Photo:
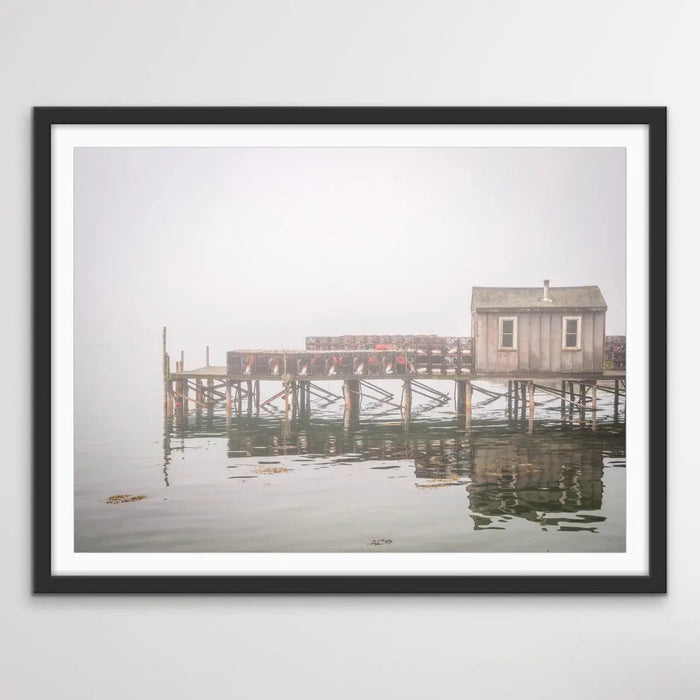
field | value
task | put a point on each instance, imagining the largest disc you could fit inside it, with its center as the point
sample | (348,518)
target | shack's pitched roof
(497,298)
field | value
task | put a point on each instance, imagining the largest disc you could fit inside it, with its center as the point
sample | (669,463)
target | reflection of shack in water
(528,480)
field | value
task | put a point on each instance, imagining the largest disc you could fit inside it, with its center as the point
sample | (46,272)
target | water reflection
(553,478)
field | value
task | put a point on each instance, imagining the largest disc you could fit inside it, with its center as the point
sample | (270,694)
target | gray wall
(539,343)
(378,52)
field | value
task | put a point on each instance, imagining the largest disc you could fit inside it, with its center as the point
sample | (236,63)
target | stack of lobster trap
(615,351)
(357,356)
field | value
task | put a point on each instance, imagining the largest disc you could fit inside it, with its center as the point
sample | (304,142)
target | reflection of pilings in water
(509,474)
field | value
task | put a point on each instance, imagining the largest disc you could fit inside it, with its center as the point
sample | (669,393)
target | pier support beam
(531,421)
(616,401)
(464,403)
(572,400)
(468,403)
(563,399)
(228,402)
(287,388)
(461,402)
(257,398)
(304,399)
(407,399)
(510,398)
(249,389)
(351,389)
(198,396)
(594,404)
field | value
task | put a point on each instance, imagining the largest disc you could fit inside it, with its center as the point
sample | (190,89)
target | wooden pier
(297,375)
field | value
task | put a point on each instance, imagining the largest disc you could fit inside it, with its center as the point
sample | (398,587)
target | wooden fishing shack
(533,331)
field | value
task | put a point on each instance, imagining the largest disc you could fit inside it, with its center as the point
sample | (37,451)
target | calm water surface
(323,487)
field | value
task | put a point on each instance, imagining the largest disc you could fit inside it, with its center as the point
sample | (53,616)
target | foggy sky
(260,247)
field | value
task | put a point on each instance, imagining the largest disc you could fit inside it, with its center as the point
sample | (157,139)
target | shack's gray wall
(539,341)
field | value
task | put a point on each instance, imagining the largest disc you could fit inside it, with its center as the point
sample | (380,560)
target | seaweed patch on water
(271,470)
(124,498)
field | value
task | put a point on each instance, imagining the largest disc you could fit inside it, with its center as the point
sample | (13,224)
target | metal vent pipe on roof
(545,293)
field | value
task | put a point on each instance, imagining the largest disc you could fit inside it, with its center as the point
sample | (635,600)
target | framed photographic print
(349,350)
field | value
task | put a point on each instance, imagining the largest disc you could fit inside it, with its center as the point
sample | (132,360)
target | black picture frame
(45,581)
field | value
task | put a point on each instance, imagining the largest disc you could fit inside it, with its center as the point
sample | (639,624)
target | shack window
(508,333)
(571,333)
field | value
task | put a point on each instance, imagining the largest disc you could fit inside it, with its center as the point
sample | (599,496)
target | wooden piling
(198,396)
(407,400)
(616,400)
(295,400)
(351,389)
(468,403)
(563,399)
(523,387)
(184,386)
(510,398)
(249,389)
(594,403)
(531,422)
(228,402)
(239,399)
(257,398)
(165,373)
(572,400)
(516,395)
(461,398)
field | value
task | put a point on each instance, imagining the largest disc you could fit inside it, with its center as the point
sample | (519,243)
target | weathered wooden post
(572,400)
(516,394)
(510,398)
(165,373)
(461,402)
(563,399)
(531,422)
(407,398)
(228,402)
(169,389)
(616,401)
(351,390)
(199,396)
(468,403)
(249,389)
(257,398)
(286,402)
(594,403)
(295,401)
(239,399)
(184,386)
